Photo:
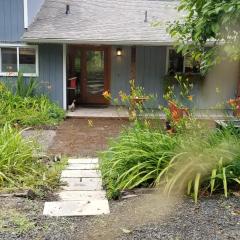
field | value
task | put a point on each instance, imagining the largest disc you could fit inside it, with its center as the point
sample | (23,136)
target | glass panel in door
(95,72)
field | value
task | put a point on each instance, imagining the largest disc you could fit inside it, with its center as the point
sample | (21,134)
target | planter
(176,112)
(235,103)
(134,101)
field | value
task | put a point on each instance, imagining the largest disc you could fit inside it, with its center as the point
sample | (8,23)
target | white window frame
(18,46)
(184,63)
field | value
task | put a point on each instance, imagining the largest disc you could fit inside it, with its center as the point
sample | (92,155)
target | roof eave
(99,42)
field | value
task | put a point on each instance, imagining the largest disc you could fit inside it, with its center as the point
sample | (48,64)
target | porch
(116,112)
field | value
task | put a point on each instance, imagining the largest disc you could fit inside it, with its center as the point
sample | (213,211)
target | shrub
(25,89)
(19,166)
(190,160)
(28,111)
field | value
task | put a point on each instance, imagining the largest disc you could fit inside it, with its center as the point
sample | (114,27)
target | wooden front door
(94,77)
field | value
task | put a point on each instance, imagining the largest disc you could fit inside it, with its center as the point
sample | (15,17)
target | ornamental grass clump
(193,161)
(20,167)
(206,161)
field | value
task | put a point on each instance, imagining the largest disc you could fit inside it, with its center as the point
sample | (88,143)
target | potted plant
(175,111)
(235,104)
(134,100)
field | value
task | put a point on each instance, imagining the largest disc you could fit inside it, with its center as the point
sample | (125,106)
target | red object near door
(73,82)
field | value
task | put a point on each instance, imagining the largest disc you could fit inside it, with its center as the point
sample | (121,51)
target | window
(19,59)
(9,59)
(191,66)
(27,60)
(177,63)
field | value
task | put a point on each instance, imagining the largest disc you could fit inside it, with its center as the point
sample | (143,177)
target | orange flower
(190,98)
(107,95)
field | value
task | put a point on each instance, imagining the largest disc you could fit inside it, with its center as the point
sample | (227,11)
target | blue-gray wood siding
(11,20)
(33,8)
(150,71)
(120,73)
(51,71)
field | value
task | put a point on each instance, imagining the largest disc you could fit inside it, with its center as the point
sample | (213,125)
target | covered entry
(88,74)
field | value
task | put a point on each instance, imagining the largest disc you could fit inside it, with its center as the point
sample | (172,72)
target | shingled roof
(104,22)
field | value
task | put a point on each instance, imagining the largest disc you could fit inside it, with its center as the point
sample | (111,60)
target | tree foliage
(208,21)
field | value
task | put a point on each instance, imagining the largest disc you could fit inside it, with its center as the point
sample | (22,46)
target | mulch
(85,137)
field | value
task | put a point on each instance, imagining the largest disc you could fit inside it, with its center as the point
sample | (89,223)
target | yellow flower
(190,98)
(90,123)
(123,96)
(147,123)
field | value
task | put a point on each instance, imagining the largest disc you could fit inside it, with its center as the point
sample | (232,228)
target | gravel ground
(212,219)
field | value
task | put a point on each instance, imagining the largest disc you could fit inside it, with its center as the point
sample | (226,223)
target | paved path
(83,194)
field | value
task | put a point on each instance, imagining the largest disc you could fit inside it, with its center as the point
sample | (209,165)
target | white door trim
(64,76)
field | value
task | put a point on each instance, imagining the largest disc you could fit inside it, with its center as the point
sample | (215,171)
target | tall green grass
(136,158)
(19,166)
(192,160)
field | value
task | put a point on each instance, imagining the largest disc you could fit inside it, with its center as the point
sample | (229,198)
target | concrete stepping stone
(83,184)
(80,174)
(76,208)
(83,160)
(83,166)
(82,195)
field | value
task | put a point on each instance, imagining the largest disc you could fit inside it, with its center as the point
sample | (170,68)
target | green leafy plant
(136,158)
(28,111)
(24,88)
(20,168)
(208,21)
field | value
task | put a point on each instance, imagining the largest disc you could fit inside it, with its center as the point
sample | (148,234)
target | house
(79,48)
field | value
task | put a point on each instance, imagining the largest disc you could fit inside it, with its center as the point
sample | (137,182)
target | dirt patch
(85,137)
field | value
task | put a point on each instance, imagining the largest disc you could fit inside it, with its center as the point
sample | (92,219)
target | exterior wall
(11,20)
(50,80)
(150,71)
(51,71)
(33,8)
(120,71)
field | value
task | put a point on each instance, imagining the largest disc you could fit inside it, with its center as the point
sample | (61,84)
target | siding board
(151,65)
(50,71)
(121,70)
(11,20)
